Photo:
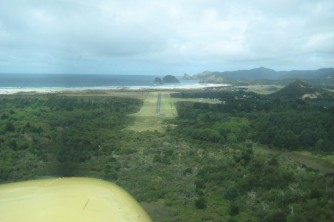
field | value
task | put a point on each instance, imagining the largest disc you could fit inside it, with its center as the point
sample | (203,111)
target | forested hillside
(288,125)
(52,135)
(215,162)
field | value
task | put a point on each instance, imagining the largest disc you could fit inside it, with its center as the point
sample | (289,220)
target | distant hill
(326,73)
(301,90)
(317,77)
(258,73)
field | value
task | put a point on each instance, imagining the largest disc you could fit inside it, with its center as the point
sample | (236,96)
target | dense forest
(215,162)
(290,125)
(51,135)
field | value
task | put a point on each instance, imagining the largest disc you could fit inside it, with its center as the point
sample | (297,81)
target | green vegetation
(263,89)
(301,90)
(147,119)
(265,76)
(291,125)
(51,135)
(166,79)
(238,157)
(170,79)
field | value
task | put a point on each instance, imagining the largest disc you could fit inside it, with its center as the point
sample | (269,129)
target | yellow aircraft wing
(68,200)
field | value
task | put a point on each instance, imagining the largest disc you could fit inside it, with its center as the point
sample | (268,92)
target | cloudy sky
(164,36)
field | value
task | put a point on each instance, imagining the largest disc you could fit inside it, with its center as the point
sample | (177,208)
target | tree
(231,193)
(9,127)
(234,209)
(200,203)
(277,217)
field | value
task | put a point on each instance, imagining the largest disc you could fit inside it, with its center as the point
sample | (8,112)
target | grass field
(264,89)
(324,164)
(313,161)
(146,118)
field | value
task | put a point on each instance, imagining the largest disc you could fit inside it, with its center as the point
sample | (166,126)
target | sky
(155,37)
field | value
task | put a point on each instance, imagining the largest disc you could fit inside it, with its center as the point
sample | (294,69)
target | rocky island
(166,79)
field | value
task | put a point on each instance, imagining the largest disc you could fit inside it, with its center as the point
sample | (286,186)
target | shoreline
(14,90)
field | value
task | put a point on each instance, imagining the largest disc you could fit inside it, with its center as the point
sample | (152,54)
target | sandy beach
(44,90)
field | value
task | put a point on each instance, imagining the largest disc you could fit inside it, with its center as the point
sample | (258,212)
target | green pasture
(323,164)
(264,89)
(313,161)
(146,118)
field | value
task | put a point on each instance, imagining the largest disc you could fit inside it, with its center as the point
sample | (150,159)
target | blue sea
(79,81)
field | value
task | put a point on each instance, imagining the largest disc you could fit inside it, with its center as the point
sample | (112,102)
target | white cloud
(110,36)
(320,43)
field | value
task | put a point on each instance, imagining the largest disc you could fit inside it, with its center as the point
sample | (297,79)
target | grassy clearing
(196,100)
(167,106)
(264,89)
(146,118)
(149,106)
(312,161)
(324,164)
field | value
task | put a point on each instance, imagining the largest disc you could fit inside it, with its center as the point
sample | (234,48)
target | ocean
(21,81)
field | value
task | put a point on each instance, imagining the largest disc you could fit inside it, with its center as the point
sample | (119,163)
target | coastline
(14,90)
